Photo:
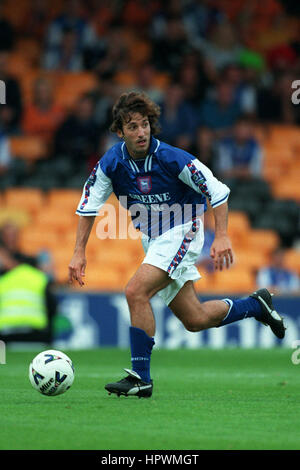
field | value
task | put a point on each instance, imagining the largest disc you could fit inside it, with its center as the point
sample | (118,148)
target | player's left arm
(221,249)
(199,177)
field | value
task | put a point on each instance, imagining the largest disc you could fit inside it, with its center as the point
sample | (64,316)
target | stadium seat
(14,214)
(18,65)
(31,200)
(292,260)
(67,199)
(264,241)
(62,256)
(287,207)
(272,173)
(205,284)
(27,147)
(26,82)
(161,80)
(61,273)
(250,206)
(71,86)
(125,78)
(30,49)
(281,134)
(250,261)
(258,188)
(139,53)
(54,220)
(238,227)
(37,238)
(289,189)
(103,277)
(238,222)
(233,281)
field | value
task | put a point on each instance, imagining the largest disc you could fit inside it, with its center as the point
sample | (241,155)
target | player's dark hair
(135,102)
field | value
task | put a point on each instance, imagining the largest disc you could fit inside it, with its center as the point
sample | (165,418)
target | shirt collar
(154,144)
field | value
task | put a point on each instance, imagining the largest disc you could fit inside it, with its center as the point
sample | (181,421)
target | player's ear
(120,134)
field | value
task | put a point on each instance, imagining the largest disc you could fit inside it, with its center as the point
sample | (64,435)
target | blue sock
(240,309)
(141,347)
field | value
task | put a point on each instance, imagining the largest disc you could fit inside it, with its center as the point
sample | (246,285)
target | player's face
(136,134)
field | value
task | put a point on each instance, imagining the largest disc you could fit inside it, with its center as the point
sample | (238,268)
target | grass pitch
(202,399)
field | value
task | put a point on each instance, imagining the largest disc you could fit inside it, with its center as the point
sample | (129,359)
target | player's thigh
(147,281)
(186,305)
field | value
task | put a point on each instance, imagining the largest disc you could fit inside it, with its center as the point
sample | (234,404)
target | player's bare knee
(130,292)
(134,293)
(195,324)
(193,327)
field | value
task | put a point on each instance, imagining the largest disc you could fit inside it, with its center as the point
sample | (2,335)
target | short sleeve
(200,178)
(96,191)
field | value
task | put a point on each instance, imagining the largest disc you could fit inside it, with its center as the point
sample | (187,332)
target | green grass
(203,399)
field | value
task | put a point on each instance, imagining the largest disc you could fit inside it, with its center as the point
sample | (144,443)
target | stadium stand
(29,148)
(264,211)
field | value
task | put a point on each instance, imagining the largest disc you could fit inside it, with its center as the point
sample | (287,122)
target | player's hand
(77,269)
(221,252)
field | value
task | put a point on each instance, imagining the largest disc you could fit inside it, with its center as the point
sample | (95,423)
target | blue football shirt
(166,188)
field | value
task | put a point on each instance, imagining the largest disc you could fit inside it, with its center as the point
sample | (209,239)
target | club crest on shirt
(144,184)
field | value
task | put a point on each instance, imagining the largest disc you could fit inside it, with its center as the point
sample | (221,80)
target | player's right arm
(78,262)
(95,193)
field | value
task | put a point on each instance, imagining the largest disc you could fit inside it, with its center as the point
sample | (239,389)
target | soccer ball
(51,372)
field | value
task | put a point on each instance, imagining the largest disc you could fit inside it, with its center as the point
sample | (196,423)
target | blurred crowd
(216,67)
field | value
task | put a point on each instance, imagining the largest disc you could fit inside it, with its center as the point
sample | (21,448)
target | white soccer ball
(51,372)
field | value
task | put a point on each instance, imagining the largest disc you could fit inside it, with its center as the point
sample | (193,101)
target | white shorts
(176,252)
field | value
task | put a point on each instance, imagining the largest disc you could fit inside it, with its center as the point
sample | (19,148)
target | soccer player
(166,190)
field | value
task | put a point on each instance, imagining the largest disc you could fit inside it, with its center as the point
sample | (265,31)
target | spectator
(103,15)
(277,277)
(10,254)
(281,30)
(193,78)
(200,17)
(274,103)
(222,47)
(219,111)
(66,57)
(7,34)
(78,136)
(42,116)
(178,119)
(204,147)
(11,112)
(145,82)
(36,20)
(27,303)
(239,155)
(137,13)
(13,171)
(282,57)
(5,154)
(104,96)
(71,20)
(113,53)
(244,90)
(169,49)
(161,17)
